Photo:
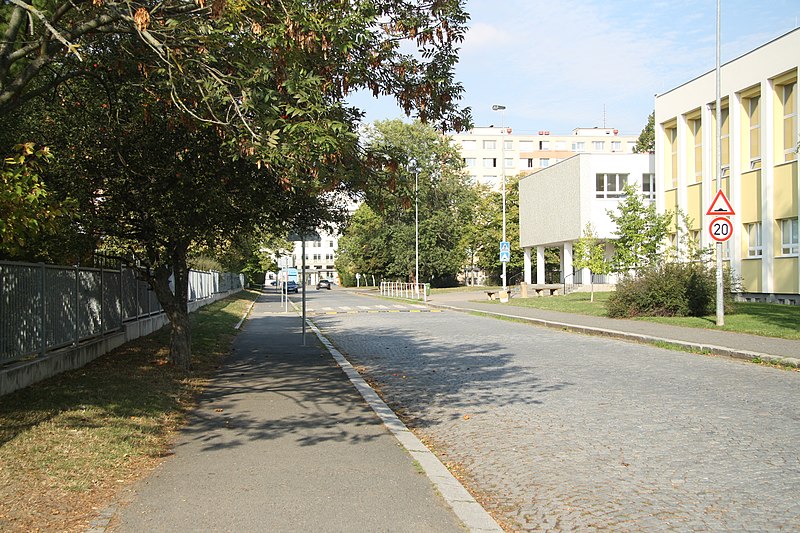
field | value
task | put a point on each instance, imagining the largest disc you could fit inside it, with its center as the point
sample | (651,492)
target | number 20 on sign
(721,229)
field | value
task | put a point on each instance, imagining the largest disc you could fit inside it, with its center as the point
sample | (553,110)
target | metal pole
(416,224)
(303,280)
(720,287)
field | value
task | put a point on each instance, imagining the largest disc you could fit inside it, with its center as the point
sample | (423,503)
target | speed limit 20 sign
(721,229)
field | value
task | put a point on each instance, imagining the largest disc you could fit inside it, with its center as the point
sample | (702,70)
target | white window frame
(598,145)
(579,146)
(618,180)
(508,145)
(789,153)
(490,144)
(616,146)
(470,162)
(526,146)
(470,144)
(650,193)
(544,162)
(789,236)
(489,162)
(755,243)
(508,162)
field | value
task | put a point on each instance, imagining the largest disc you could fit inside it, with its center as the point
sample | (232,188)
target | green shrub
(670,289)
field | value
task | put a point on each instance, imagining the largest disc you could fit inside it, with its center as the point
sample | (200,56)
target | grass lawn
(68,444)
(770,320)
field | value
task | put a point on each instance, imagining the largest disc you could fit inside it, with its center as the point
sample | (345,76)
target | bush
(671,289)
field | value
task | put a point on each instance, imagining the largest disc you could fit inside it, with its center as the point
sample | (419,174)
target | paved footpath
(282,441)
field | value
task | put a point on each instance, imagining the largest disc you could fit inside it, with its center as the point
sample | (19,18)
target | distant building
(759,102)
(556,203)
(490,152)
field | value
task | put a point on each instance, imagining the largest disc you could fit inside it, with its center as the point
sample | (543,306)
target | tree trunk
(174,301)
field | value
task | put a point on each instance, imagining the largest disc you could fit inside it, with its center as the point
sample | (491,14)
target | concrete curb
(466,508)
(635,337)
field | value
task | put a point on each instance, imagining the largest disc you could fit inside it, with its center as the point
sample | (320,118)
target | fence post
(43,299)
(77,303)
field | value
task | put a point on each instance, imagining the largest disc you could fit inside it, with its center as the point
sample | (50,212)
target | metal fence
(46,307)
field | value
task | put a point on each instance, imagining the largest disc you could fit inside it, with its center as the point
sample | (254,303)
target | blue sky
(561,64)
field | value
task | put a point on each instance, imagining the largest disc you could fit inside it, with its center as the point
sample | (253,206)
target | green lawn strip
(77,435)
(768,320)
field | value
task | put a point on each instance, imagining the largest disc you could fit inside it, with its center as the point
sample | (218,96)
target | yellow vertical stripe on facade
(751,273)
(694,205)
(751,197)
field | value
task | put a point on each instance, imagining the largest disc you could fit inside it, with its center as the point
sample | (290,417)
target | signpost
(720,229)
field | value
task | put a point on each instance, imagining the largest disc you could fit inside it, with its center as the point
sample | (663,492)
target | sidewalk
(282,441)
(727,343)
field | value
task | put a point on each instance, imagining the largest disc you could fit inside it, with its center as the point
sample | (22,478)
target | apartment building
(758,163)
(557,203)
(491,152)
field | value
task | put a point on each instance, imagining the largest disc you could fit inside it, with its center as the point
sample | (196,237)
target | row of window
(314,257)
(612,185)
(789,238)
(510,162)
(318,244)
(528,146)
(751,110)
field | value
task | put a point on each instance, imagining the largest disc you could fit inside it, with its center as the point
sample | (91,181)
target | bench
(549,289)
(492,295)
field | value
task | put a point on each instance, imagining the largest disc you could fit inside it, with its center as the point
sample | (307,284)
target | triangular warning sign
(720,205)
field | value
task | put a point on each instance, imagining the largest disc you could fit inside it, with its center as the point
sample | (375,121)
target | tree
(205,120)
(27,208)
(490,227)
(640,232)
(381,237)
(646,143)
(590,252)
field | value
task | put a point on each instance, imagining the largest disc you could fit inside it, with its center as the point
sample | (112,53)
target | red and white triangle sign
(720,205)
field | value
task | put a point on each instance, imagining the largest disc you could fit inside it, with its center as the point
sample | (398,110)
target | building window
(489,162)
(329,257)
(489,145)
(508,162)
(789,238)
(790,137)
(544,163)
(526,163)
(697,134)
(508,145)
(754,117)
(726,140)
(616,146)
(579,146)
(561,145)
(598,145)
(525,146)
(469,145)
(672,139)
(754,244)
(330,244)
(317,244)
(470,161)
(544,145)
(611,185)
(649,186)
(317,257)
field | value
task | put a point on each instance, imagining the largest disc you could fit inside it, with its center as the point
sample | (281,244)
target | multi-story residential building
(556,204)
(490,152)
(758,163)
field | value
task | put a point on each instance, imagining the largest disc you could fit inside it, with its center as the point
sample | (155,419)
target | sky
(562,64)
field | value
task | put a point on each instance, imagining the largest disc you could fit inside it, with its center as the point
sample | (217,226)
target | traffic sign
(505,246)
(720,205)
(721,229)
(505,256)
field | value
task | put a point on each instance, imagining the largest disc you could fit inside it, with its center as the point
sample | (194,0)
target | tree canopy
(646,143)
(177,124)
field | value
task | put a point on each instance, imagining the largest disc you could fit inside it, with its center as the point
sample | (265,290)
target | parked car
(324,284)
(291,286)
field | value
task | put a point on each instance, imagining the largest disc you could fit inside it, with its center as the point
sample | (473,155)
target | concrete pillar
(527,264)
(540,264)
(566,263)
(586,276)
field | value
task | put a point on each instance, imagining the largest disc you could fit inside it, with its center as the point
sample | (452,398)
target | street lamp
(412,167)
(502,109)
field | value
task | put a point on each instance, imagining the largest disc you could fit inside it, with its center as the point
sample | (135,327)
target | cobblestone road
(566,432)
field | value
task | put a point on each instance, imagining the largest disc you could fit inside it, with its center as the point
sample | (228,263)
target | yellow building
(758,163)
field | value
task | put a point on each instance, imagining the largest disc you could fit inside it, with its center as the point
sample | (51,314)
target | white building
(556,203)
(489,152)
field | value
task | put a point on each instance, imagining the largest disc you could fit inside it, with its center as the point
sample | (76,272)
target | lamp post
(412,166)
(502,109)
